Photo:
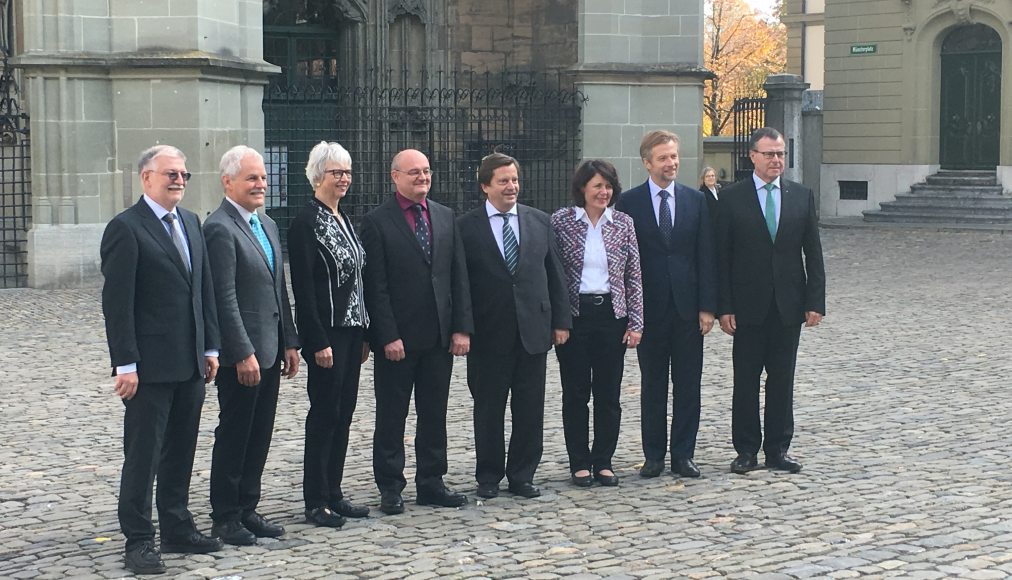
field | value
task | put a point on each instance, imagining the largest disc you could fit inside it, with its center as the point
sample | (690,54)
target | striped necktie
(510,247)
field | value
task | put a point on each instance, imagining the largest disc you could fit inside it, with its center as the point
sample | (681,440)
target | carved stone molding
(961,9)
(408,7)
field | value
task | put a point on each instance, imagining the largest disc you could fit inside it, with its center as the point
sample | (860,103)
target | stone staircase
(958,197)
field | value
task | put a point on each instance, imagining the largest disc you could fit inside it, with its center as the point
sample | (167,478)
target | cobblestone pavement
(902,424)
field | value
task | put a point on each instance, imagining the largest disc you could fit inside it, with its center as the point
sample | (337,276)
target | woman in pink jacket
(601,260)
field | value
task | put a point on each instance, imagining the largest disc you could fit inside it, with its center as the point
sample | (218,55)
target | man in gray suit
(258,345)
(520,305)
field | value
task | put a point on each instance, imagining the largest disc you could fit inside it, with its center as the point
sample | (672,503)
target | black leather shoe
(143,558)
(441,497)
(685,468)
(234,533)
(783,463)
(652,468)
(582,480)
(606,480)
(744,463)
(391,503)
(195,543)
(524,489)
(349,510)
(323,517)
(488,490)
(260,527)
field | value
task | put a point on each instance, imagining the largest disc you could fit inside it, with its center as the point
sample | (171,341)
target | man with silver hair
(162,328)
(258,345)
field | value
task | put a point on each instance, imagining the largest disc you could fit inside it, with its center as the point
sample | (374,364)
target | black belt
(595,299)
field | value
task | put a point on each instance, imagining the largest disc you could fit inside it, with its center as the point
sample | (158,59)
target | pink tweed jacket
(623,262)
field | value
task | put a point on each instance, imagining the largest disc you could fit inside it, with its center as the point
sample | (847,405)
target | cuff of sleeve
(212,352)
(125,369)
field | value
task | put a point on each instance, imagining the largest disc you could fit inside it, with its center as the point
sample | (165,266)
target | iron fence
(454,118)
(15,167)
(749,115)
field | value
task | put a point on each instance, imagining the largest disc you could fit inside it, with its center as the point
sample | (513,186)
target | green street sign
(863,48)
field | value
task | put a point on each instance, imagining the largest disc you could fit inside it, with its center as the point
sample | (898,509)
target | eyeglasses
(416,173)
(339,173)
(772,154)
(174,175)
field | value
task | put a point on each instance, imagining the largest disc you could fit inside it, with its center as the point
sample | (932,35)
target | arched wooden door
(971,98)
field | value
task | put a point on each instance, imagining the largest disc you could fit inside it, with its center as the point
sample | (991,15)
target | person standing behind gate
(767,225)
(258,345)
(602,264)
(420,310)
(327,260)
(679,301)
(162,329)
(518,297)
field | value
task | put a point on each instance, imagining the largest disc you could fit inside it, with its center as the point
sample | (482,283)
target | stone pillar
(783,113)
(641,66)
(109,79)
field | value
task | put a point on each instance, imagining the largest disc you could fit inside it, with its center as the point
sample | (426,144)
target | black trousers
(492,377)
(670,344)
(591,363)
(333,394)
(242,441)
(773,347)
(426,372)
(160,427)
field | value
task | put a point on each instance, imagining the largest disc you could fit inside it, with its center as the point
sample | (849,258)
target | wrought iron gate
(455,119)
(749,115)
(15,166)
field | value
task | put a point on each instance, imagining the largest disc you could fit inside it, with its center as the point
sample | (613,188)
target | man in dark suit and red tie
(258,345)
(521,308)
(772,280)
(678,262)
(419,305)
(162,329)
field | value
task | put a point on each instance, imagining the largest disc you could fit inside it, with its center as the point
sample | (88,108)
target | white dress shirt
(594,278)
(495,222)
(760,191)
(655,199)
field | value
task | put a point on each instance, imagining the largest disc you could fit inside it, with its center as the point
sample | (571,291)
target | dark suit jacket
(687,271)
(254,313)
(754,270)
(402,288)
(157,314)
(533,302)
(711,206)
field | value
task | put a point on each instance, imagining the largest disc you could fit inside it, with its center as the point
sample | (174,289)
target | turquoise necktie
(261,236)
(771,211)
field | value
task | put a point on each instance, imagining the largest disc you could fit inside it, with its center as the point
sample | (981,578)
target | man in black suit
(767,224)
(162,329)
(416,291)
(521,308)
(678,260)
(258,345)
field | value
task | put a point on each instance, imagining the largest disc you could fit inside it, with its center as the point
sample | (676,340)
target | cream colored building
(911,87)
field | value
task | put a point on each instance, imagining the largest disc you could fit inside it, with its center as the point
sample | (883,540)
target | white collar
(492,211)
(656,189)
(244,213)
(581,215)
(760,184)
(158,209)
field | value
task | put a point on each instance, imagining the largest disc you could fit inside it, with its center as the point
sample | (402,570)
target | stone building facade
(911,87)
(104,80)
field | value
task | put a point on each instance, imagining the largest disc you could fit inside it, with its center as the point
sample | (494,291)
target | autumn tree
(741,47)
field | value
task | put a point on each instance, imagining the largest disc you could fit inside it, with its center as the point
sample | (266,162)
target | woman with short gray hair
(326,260)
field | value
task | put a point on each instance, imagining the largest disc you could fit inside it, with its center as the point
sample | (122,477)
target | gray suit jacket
(254,313)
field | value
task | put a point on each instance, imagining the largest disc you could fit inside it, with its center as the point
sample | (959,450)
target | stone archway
(970,100)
